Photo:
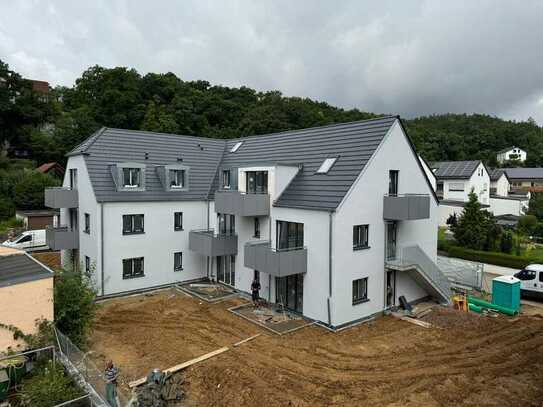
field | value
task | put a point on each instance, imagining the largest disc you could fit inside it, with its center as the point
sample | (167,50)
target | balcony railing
(406,207)
(241,203)
(62,238)
(276,262)
(61,197)
(209,243)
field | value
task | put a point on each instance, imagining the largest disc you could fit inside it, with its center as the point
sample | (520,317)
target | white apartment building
(337,222)
(511,153)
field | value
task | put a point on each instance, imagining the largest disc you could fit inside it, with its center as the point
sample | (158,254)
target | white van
(531,281)
(28,239)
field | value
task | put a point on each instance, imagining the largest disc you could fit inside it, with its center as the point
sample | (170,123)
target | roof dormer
(128,176)
(174,177)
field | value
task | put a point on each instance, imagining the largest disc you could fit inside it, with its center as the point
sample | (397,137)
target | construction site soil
(463,359)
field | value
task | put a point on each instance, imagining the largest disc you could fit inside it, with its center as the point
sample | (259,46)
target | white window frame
(361,291)
(236,147)
(131,172)
(174,181)
(326,165)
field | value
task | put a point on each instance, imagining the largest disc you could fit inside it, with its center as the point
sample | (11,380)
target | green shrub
(74,305)
(10,224)
(48,385)
(499,259)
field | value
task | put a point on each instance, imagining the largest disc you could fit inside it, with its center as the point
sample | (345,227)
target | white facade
(332,263)
(459,189)
(514,153)
(508,206)
(500,186)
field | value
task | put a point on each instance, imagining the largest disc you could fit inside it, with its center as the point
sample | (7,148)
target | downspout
(207,227)
(102,246)
(330,226)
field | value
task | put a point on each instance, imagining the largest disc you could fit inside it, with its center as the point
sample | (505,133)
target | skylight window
(326,165)
(236,146)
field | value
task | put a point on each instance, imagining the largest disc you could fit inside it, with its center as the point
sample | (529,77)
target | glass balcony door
(256,182)
(289,292)
(391,236)
(289,235)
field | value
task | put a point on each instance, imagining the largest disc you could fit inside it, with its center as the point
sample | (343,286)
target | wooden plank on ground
(183,365)
(417,322)
(250,338)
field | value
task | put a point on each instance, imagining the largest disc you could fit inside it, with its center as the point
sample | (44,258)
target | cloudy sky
(406,57)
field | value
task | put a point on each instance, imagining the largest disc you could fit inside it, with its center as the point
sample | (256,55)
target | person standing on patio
(255,289)
(110,375)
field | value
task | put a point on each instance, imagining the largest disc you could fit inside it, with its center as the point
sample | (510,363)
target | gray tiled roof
(113,146)
(524,173)
(454,169)
(495,173)
(19,268)
(353,143)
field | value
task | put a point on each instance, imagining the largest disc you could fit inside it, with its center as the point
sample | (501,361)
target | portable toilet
(506,292)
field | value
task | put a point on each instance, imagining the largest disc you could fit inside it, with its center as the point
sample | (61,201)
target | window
(177,179)
(290,235)
(132,224)
(257,228)
(360,237)
(131,177)
(226,179)
(227,224)
(73,178)
(393,182)
(236,146)
(360,290)
(87,265)
(326,165)
(256,182)
(541,276)
(178,221)
(526,275)
(456,186)
(87,223)
(257,276)
(24,239)
(178,261)
(133,268)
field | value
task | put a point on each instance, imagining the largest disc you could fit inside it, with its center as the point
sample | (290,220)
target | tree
(506,242)
(75,308)
(527,224)
(28,191)
(473,225)
(535,206)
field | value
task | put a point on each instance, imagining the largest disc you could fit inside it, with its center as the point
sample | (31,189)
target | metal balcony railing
(61,197)
(406,207)
(261,256)
(210,243)
(241,203)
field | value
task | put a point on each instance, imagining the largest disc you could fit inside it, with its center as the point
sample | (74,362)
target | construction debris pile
(160,390)
(273,316)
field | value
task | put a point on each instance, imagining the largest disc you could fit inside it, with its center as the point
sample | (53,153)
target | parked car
(531,281)
(28,239)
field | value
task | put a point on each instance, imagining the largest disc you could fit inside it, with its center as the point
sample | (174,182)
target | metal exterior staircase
(423,270)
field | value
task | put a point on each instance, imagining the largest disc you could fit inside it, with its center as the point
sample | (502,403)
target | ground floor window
(178,261)
(226,269)
(133,268)
(289,291)
(257,276)
(360,290)
(87,265)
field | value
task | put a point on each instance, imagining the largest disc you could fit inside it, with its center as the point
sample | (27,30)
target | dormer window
(177,179)
(132,177)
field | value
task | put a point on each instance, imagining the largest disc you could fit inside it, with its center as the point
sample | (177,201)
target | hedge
(499,259)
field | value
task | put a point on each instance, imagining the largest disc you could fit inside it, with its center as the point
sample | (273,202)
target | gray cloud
(411,58)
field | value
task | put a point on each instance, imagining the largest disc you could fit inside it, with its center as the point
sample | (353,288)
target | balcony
(209,243)
(62,238)
(279,263)
(61,197)
(241,203)
(406,207)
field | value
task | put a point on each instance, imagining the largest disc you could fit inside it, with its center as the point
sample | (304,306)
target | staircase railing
(415,256)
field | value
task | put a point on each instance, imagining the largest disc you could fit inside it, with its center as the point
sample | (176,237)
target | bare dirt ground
(464,359)
(50,259)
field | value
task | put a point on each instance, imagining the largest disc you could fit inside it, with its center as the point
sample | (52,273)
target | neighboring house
(26,294)
(455,181)
(499,182)
(525,179)
(52,168)
(336,222)
(511,153)
(39,218)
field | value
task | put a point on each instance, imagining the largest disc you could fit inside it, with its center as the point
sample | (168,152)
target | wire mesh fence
(86,372)
(462,272)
